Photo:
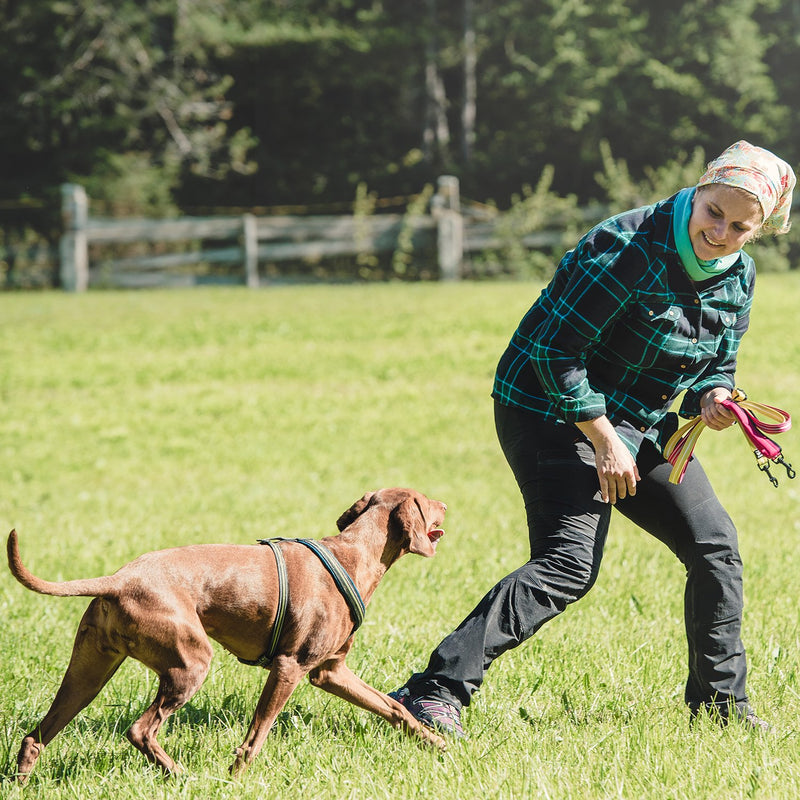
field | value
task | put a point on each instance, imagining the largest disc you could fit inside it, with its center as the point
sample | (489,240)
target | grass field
(136,421)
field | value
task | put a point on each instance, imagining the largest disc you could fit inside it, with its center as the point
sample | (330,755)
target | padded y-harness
(340,577)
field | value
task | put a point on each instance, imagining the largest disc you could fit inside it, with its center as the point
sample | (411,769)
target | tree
(89,81)
(301,101)
(469,104)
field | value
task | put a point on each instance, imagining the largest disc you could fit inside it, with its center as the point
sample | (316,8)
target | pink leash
(681,444)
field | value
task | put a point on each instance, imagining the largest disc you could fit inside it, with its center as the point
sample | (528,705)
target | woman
(651,303)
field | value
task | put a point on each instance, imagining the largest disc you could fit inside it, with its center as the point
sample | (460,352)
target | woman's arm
(593,286)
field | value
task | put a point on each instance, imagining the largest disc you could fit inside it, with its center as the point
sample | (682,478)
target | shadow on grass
(233,713)
(100,731)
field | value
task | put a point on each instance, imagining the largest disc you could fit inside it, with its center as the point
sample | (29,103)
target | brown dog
(161,608)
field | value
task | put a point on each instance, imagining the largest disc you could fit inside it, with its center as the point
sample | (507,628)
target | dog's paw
(434,740)
(28,754)
(239,763)
(175,770)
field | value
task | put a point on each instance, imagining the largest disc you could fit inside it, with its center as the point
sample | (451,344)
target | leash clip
(790,473)
(763,465)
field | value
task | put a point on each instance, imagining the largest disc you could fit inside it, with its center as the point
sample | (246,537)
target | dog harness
(678,449)
(340,577)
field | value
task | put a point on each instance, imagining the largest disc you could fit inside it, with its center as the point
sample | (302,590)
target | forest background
(166,107)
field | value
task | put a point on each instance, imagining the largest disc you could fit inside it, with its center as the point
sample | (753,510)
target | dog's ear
(355,510)
(408,518)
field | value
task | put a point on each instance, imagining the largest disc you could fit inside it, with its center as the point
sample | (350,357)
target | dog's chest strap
(340,577)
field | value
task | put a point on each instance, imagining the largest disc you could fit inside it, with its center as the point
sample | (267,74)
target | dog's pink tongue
(435,535)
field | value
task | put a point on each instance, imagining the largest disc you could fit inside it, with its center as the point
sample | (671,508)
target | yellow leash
(679,448)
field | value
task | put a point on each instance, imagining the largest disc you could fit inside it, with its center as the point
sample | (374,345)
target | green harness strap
(280,614)
(340,577)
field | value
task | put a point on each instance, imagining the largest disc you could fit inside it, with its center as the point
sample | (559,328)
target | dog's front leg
(284,676)
(338,679)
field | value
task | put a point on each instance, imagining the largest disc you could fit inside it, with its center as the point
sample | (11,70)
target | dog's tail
(89,587)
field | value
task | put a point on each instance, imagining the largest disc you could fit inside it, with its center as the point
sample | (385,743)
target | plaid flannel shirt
(621,330)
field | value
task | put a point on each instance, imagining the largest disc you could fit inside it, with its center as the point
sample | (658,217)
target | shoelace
(681,444)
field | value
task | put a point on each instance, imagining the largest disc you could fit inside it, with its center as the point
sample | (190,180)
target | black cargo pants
(567,523)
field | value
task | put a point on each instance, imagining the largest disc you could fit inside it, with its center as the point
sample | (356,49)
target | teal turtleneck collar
(696,269)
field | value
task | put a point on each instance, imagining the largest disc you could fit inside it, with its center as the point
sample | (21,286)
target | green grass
(134,421)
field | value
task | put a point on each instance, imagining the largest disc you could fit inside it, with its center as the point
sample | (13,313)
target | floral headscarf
(762,174)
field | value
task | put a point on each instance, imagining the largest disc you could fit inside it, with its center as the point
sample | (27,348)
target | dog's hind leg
(284,676)
(181,669)
(94,661)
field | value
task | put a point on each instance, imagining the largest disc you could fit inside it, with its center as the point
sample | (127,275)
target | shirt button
(696,301)
(650,313)
(694,341)
(664,397)
(643,429)
(683,366)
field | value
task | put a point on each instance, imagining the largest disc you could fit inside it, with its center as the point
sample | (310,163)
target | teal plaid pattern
(622,331)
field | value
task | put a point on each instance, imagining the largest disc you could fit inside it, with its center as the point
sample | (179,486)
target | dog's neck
(350,547)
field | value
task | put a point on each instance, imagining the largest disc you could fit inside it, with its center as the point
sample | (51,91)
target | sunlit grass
(133,421)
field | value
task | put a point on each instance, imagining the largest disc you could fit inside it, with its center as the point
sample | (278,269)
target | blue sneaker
(435,714)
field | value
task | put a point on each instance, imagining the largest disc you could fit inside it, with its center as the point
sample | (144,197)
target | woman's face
(723,219)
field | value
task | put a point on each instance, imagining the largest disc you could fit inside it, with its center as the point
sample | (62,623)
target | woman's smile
(723,220)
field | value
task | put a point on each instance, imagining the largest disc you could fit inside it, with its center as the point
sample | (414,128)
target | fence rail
(248,240)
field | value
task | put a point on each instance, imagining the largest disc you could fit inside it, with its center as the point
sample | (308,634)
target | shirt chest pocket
(718,321)
(651,332)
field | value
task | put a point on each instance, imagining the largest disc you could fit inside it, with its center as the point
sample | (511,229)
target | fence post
(250,247)
(446,207)
(74,248)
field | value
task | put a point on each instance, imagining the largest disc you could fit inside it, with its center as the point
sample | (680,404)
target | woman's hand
(712,412)
(616,467)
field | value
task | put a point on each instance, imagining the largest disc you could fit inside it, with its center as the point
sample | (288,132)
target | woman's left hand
(712,412)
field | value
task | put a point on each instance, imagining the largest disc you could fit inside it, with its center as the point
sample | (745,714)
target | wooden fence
(249,241)
(253,242)
(246,240)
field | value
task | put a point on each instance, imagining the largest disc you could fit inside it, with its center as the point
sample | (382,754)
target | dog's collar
(340,577)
